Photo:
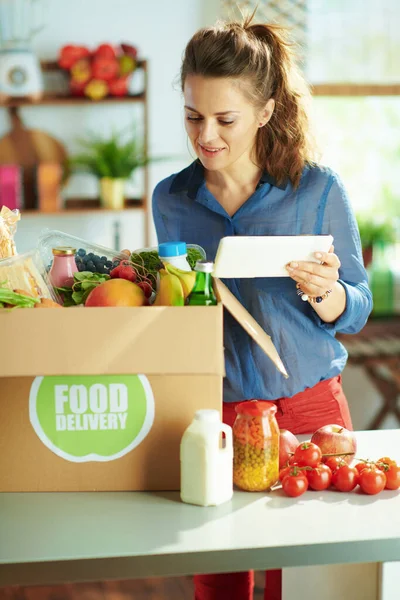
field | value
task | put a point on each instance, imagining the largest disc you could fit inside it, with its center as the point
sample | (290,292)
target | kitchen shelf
(64,100)
(88,205)
(355,89)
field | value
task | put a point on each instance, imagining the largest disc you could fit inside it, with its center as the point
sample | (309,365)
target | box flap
(82,341)
(249,324)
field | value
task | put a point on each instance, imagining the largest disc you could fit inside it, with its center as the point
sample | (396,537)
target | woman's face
(220,121)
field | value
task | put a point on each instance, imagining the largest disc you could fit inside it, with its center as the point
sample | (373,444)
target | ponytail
(283,145)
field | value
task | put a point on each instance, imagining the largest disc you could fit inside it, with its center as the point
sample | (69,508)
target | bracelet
(306,297)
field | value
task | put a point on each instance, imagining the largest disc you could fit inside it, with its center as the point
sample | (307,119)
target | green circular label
(87,418)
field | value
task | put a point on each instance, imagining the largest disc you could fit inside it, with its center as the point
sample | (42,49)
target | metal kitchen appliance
(20,72)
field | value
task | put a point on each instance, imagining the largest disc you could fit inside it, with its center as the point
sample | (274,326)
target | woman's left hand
(316,279)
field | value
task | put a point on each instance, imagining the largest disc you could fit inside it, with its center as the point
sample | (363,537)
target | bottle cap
(209,415)
(169,249)
(204,266)
(64,251)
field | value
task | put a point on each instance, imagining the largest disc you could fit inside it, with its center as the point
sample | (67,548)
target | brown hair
(263,55)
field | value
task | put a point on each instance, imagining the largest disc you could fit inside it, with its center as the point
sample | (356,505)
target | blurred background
(94,82)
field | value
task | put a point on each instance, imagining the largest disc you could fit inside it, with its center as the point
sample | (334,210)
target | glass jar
(64,266)
(255,446)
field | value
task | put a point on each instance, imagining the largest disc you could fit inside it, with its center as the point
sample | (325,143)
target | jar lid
(256,408)
(169,249)
(64,251)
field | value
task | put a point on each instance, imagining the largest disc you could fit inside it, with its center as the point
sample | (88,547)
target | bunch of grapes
(93,263)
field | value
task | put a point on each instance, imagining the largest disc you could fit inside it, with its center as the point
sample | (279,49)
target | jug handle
(227,430)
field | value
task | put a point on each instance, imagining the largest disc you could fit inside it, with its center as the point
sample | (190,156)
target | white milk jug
(206,464)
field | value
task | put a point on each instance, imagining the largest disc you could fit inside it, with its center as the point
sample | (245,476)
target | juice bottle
(203,292)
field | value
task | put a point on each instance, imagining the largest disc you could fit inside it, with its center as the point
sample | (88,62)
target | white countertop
(58,537)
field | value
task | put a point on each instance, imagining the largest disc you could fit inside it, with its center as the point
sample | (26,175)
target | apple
(288,443)
(96,89)
(129,50)
(81,71)
(335,439)
(118,87)
(105,51)
(105,68)
(116,292)
(70,54)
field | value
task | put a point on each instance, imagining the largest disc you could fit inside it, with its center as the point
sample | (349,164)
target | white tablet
(266,256)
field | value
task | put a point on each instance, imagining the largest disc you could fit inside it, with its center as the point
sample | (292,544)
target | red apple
(335,439)
(118,87)
(129,50)
(288,443)
(105,68)
(105,51)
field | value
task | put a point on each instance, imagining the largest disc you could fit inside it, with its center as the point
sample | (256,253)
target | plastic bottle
(206,467)
(174,253)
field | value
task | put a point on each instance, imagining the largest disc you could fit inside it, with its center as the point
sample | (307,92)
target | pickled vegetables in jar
(255,446)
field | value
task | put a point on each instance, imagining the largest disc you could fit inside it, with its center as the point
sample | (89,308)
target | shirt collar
(191,179)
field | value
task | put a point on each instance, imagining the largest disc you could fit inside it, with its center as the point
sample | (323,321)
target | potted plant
(112,160)
(374,230)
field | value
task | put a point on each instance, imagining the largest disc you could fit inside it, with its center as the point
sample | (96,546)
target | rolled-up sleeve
(340,221)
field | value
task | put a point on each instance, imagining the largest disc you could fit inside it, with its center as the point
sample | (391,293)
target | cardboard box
(98,399)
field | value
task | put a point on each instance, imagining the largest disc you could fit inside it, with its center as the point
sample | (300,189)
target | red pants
(304,413)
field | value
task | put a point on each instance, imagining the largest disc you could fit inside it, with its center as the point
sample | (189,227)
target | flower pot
(112,193)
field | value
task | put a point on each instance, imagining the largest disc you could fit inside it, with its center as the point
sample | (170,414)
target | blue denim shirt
(184,209)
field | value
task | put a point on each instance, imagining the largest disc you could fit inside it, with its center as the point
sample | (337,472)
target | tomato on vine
(345,478)
(319,478)
(295,483)
(308,454)
(372,480)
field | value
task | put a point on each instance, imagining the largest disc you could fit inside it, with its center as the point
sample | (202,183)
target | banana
(170,291)
(187,278)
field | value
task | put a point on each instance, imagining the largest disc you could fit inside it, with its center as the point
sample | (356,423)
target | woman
(246,119)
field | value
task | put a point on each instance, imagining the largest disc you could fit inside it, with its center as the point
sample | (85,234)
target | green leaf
(116,157)
(77,297)
(83,275)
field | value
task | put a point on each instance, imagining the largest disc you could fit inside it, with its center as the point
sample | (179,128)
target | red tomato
(295,484)
(319,478)
(283,472)
(384,463)
(393,477)
(345,478)
(362,465)
(387,460)
(308,455)
(333,462)
(372,480)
